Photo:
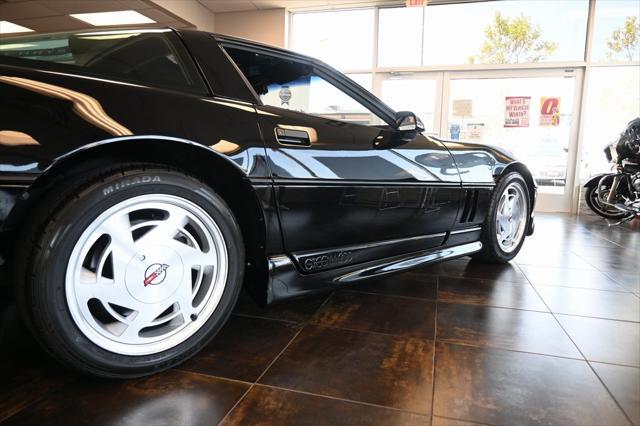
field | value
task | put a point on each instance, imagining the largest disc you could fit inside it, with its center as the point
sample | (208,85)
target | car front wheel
(504,229)
(134,271)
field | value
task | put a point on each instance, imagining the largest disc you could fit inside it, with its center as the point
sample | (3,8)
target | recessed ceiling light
(121,17)
(7,27)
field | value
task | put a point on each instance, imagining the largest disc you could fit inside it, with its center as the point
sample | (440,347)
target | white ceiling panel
(52,24)
(65,7)
(273,4)
(221,6)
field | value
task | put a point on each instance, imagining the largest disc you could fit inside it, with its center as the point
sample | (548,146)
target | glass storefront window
(412,94)
(365,80)
(613,99)
(507,112)
(343,39)
(400,36)
(505,32)
(616,31)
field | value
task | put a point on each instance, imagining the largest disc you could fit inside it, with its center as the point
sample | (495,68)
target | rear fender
(249,203)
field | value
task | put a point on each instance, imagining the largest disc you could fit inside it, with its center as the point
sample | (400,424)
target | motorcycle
(616,195)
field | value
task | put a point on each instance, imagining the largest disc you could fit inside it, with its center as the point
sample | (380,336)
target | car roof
(225,38)
(229,40)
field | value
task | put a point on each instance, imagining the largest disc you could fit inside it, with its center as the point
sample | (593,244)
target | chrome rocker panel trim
(286,281)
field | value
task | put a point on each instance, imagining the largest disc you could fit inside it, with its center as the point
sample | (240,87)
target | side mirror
(406,121)
(405,131)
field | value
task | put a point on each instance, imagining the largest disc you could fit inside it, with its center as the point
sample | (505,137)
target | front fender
(594,180)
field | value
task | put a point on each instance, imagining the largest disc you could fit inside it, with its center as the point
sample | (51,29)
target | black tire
(48,241)
(591,197)
(491,251)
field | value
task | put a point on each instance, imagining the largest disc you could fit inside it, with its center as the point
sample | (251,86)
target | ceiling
(221,6)
(53,15)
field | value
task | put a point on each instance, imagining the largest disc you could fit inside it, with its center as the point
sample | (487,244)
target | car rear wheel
(504,230)
(134,271)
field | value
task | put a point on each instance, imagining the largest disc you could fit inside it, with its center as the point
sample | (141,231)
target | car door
(344,193)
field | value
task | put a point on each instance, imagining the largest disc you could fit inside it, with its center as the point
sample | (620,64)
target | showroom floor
(481,344)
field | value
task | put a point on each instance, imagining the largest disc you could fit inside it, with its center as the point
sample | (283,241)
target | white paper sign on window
(517,111)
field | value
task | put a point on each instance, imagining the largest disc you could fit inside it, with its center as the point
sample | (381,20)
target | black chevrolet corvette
(147,175)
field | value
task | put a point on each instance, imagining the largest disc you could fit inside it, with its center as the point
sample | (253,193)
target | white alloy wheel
(146,274)
(511,217)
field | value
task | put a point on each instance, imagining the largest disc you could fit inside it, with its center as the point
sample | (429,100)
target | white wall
(266,26)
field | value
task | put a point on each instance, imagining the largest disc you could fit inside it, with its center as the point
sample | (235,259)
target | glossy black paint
(322,209)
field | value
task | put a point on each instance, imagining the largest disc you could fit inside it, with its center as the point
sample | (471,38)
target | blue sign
(455,132)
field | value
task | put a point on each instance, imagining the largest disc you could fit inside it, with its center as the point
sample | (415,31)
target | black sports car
(147,175)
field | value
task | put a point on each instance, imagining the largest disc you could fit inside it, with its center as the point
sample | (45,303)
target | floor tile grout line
(468,421)
(435,347)
(261,375)
(499,348)
(596,318)
(337,398)
(399,296)
(237,314)
(448,341)
(603,238)
(606,274)
(463,277)
(624,413)
(538,311)
(303,325)
(585,288)
(211,376)
(379,333)
(236,404)
(449,302)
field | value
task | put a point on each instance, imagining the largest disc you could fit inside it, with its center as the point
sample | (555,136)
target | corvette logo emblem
(155,274)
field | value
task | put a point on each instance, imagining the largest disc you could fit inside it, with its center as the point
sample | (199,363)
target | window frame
(582,62)
(584,65)
(319,68)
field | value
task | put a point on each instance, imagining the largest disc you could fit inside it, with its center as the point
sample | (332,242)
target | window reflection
(294,85)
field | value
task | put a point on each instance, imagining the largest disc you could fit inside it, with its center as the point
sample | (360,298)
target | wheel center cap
(154,274)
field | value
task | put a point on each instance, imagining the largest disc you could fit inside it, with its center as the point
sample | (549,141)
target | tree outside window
(625,40)
(512,41)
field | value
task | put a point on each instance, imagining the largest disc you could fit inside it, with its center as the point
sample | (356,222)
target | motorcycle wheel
(591,197)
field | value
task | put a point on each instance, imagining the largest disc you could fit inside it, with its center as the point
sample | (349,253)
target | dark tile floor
(552,338)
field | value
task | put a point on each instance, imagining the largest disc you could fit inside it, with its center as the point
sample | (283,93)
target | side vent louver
(470,205)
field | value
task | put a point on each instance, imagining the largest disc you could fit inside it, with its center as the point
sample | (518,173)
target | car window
(291,85)
(150,57)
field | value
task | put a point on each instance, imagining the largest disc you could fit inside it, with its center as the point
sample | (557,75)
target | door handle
(292,137)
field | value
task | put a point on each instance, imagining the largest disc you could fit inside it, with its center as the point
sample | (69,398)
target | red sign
(414,3)
(516,112)
(549,111)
